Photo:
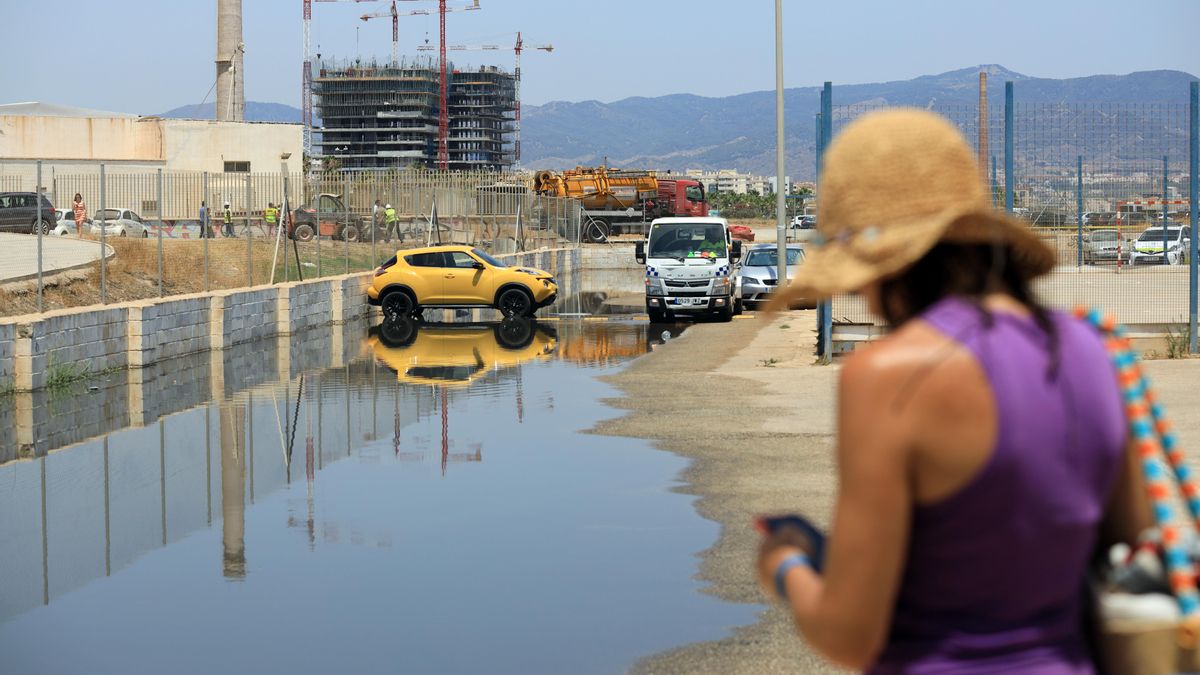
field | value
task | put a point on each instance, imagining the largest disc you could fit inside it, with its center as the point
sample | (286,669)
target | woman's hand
(776,546)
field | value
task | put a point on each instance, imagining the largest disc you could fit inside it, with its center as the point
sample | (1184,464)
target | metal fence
(1081,175)
(144,230)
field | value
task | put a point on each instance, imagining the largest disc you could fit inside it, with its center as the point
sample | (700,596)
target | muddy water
(415,499)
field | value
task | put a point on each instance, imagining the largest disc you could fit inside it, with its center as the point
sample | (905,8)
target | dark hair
(970,271)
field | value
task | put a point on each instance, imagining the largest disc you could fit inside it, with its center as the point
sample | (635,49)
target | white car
(1148,249)
(64,222)
(119,223)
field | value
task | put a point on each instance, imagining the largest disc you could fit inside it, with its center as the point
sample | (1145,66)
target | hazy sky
(147,56)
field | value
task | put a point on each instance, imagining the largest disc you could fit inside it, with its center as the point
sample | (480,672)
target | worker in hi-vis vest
(227,219)
(390,223)
(271,217)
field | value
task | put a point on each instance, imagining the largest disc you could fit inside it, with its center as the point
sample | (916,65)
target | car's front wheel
(515,302)
(397,304)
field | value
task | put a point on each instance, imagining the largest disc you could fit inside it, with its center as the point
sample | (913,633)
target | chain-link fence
(141,235)
(1104,184)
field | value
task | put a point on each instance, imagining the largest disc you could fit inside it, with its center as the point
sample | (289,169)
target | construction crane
(306,78)
(396,22)
(517,49)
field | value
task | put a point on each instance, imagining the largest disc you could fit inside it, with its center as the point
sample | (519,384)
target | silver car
(758,276)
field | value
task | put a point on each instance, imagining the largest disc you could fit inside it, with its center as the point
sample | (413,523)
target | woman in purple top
(981,446)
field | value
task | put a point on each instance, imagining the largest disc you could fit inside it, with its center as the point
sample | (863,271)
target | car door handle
(449,276)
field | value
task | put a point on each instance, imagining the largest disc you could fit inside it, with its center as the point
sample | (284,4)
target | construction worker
(227,219)
(390,222)
(271,217)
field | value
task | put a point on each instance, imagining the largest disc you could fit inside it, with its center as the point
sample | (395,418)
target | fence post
(249,239)
(103,244)
(1194,171)
(286,224)
(826,332)
(160,233)
(1008,146)
(317,234)
(38,190)
(1079,212)
(206,230)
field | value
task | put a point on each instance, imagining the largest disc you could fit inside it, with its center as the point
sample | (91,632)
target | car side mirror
(478,265)
(639,253)
(737,249)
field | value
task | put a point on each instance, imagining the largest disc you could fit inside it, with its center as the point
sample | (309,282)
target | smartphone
(770,524)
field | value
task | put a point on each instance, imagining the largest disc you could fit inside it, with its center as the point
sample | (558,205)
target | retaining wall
(252,314)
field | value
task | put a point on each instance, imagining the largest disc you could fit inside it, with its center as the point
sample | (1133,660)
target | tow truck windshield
(682,241)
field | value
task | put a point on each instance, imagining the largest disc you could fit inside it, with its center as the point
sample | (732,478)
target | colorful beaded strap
(1154,439)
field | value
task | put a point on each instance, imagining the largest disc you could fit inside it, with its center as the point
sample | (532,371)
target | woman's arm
(846,614)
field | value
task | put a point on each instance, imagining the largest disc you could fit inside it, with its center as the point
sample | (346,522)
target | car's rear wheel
(303,232)
(33,229)
(397,304)
(515,302)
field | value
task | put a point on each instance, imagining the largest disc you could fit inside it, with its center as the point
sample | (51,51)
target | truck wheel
(725,313)
(303,232)
(515,302)
(739,306)
(597,231)
(350,233)
(658,315)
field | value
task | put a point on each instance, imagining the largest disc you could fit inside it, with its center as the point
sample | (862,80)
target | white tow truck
(691,268)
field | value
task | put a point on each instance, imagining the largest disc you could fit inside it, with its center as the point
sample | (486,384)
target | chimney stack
(231,96)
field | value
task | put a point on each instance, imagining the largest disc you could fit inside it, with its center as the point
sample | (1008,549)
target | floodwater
(410,498)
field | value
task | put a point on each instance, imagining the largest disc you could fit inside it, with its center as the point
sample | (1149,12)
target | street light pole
(780,194)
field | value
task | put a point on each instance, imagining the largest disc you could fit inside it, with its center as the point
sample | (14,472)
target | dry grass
(132,273)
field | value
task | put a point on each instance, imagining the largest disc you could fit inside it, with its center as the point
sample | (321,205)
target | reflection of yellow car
(458,276)
(457,354)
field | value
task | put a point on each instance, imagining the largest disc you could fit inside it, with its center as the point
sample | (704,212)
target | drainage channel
(423,499)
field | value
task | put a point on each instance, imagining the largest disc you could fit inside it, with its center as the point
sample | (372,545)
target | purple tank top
(994,580)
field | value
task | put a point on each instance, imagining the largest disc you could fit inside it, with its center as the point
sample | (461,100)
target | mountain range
(683,131)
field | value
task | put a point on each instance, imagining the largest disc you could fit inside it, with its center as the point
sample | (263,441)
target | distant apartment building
(729,180)
(380,116)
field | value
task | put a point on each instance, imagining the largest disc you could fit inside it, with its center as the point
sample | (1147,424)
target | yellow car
(457,276)
(457,354)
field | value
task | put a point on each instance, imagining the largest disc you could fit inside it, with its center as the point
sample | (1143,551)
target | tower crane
(517,49)
(306,77)
(396,22)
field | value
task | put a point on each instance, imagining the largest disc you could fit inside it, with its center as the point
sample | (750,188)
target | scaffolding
(378,116)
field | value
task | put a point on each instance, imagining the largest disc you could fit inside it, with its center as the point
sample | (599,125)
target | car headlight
(751,280)
(654,286)
(720,286)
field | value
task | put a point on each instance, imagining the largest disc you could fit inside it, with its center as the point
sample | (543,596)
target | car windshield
(768,258)
(1156,234)
(683,240)
(488,259)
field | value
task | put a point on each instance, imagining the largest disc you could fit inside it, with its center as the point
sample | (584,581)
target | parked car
(457,276)
(1148,249)
(1098,218)
(1102,246)
(804,223)
(65,222)
(758,276)
(18,212)
(119,223)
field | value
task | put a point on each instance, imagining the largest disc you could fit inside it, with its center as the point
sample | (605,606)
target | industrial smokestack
(231,95)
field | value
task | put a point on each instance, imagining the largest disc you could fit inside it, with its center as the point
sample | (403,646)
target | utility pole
(780,169)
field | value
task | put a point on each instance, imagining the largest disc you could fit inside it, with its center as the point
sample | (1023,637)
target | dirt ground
(779,458)
(132,273)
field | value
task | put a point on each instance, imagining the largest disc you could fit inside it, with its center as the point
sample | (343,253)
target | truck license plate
(689,301)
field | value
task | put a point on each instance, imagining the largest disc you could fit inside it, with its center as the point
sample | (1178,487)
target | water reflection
(377,552)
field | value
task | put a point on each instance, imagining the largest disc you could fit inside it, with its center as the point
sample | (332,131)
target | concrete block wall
(249,315)
(310,304)
(609,257)
(91,340)
(354,297)
(169,328)
(8,333)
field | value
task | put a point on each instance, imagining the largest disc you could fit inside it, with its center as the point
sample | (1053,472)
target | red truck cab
(682,197)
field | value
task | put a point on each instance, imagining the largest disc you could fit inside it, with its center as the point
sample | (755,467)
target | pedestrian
(982,448)
(81,214)
(390,223)
(227,219)
(205,229)
(271,217)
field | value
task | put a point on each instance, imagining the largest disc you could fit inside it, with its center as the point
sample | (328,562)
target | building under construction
(380,116)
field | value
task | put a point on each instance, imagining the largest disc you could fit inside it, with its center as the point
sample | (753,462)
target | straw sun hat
(894,184)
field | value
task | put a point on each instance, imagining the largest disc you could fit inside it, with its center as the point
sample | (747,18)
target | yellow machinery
(599,188)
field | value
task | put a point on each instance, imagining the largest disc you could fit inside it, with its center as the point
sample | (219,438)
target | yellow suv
(457,276)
